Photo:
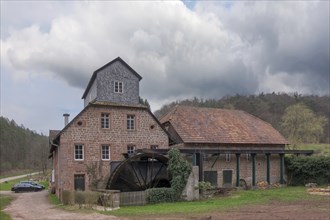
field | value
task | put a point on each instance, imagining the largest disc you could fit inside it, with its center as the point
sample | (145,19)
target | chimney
(66,118)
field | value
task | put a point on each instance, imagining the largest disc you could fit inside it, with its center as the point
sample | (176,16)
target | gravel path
(35,206)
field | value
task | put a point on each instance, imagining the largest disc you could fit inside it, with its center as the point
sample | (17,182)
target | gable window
(130,122)
(79,152)
(105,120)
(118,87)
(227,157)
(130,149)
(105,154)
(154,147)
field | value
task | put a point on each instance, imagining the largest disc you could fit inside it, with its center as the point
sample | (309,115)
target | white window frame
(118,87)
(130,124)
(75,152)
(105,152)
(131,149)
(105,120)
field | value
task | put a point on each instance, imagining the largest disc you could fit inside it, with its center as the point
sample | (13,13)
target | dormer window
(118,87)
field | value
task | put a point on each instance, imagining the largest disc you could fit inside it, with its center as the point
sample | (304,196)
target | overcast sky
(50,49)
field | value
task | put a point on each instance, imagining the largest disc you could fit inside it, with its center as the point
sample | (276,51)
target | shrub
(180,170)
(302,170)
(204,185)
(79,198)
(160,195)
(91,198)
(67,197)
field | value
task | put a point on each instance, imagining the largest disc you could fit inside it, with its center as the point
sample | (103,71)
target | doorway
(79,182)
(227,178)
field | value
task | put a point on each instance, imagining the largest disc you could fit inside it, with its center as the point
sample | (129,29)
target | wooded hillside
(21,148)
(268,107)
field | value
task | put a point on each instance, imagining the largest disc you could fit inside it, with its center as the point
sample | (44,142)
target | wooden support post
(194,159)
(268,167)
(253,169)
(237,169)
(199,159)
(282,168)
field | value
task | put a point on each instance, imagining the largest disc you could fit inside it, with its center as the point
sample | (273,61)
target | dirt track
(35,206)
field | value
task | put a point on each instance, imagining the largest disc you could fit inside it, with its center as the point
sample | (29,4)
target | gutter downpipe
(58,170)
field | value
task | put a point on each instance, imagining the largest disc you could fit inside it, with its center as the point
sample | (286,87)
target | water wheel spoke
(155,178)
(136,175)
(139,172)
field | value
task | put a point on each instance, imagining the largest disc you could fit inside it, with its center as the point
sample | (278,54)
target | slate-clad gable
(102,84)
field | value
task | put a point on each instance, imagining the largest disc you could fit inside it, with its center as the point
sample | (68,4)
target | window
(105,120)
(154,147)
(130,149)
(118,87)
(248,157)
(130,122)
(227,157)
(105,154)
(79,152)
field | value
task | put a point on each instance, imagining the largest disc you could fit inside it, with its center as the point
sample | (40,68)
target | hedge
(180,170)
(312,169)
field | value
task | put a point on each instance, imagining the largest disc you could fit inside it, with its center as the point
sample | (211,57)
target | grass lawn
(6,186)
(237,199)
(54,200)
(16,173)
(4,201)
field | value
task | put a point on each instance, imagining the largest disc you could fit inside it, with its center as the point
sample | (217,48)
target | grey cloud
(214,51)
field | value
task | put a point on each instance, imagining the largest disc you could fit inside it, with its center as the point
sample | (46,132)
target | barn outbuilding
(231,147)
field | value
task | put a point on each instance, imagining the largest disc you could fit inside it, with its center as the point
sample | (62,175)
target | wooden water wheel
(140,172)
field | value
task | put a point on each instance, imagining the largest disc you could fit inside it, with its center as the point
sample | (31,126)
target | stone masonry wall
(92,137)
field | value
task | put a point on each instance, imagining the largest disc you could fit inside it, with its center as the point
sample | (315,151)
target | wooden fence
(133,198)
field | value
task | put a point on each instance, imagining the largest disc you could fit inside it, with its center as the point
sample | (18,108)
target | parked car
(33,183)
(25,187)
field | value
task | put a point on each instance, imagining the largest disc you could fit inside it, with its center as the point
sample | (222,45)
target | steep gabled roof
(106,65)
(220,126)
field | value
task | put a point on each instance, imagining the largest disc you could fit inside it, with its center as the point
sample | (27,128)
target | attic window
(118,87)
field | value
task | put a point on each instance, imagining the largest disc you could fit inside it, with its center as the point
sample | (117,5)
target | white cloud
(213,50)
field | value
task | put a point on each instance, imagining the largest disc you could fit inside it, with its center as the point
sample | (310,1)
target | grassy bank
(319,149)
(6,186)
(4,201)
(16,173)
(237,199)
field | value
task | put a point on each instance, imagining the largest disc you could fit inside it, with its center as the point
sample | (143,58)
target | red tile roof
(212,125)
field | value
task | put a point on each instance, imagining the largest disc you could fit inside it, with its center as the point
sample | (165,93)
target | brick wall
(86,129)
(245,168)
